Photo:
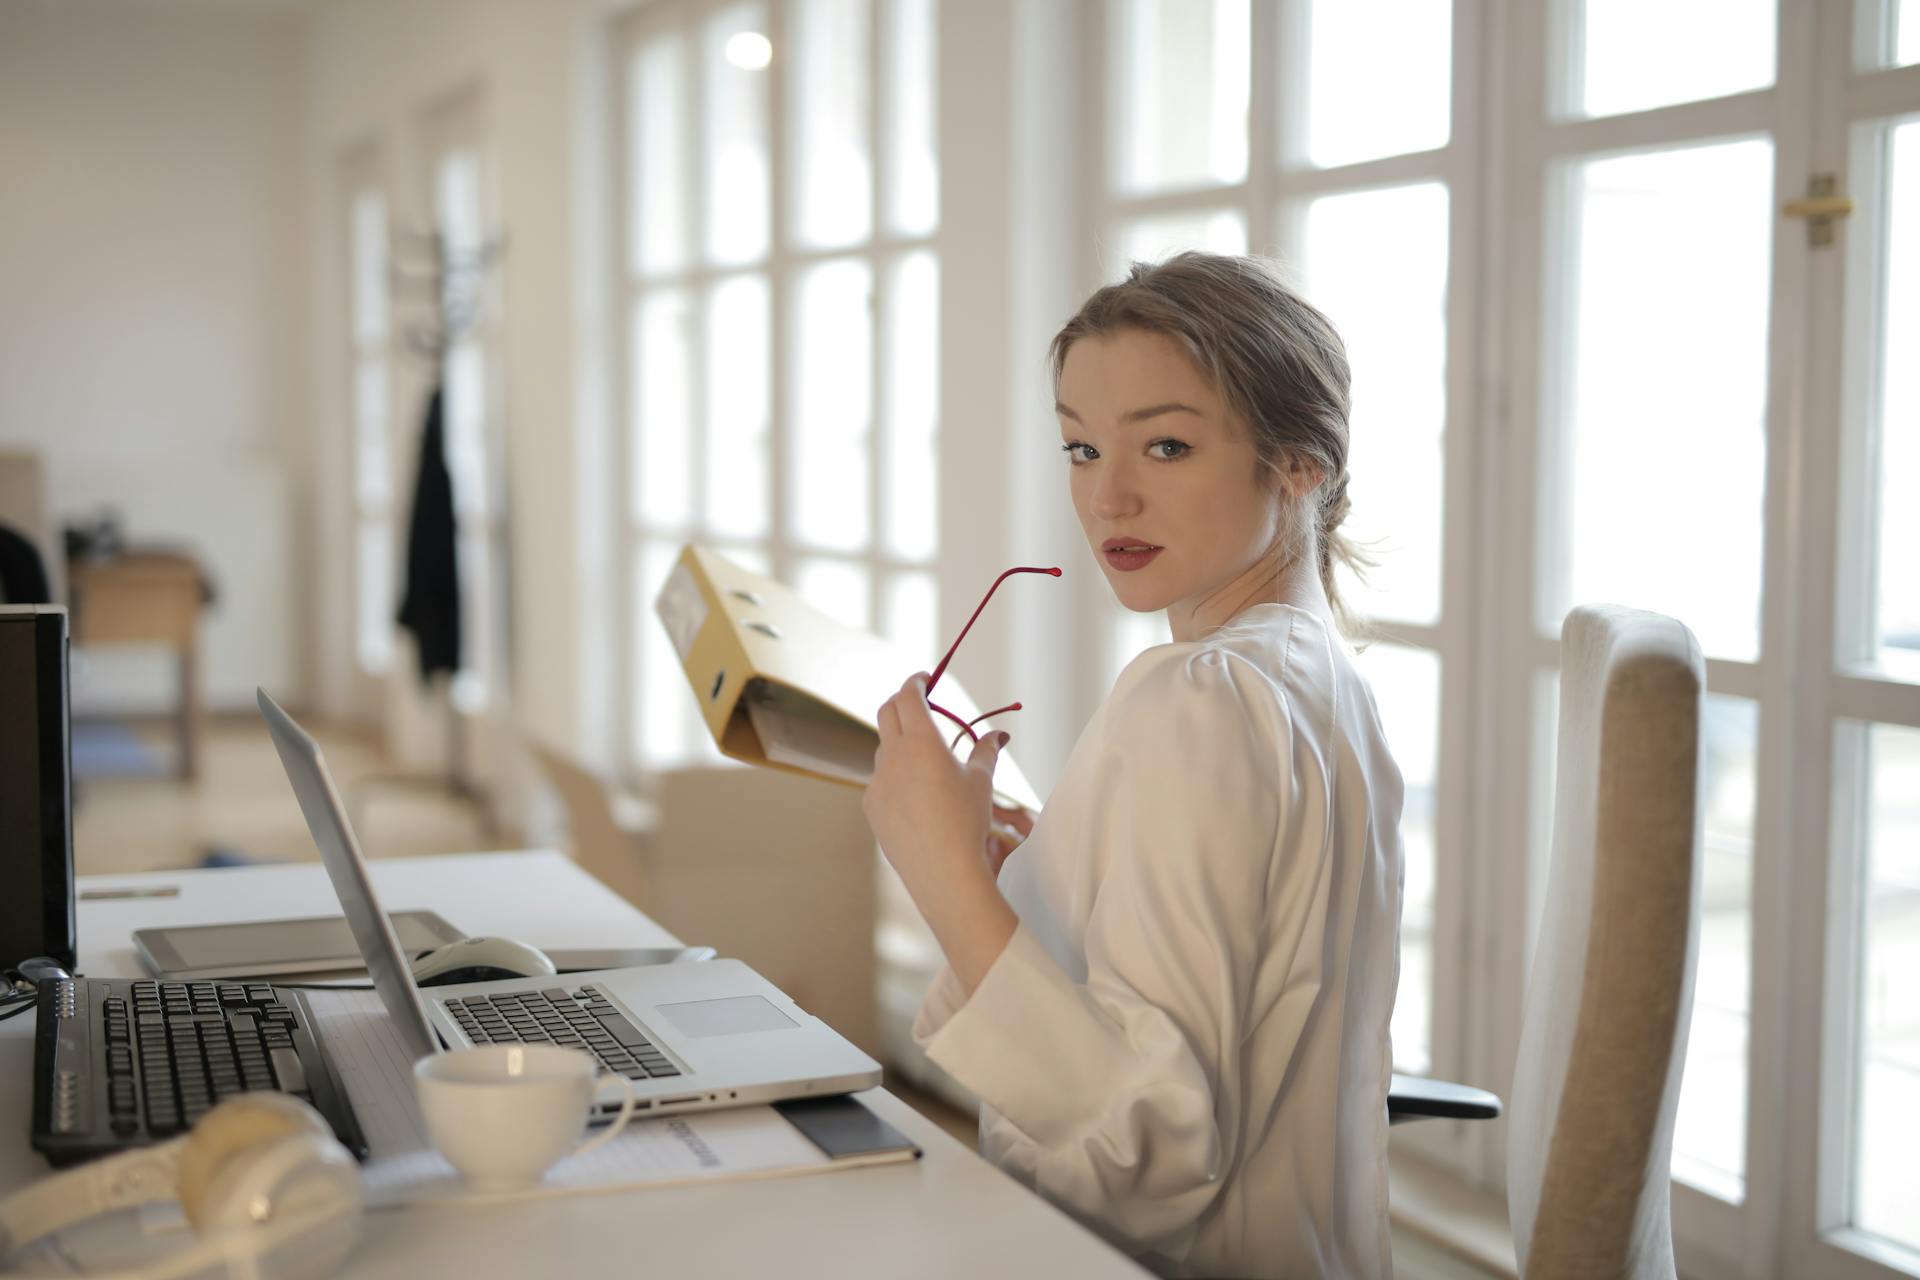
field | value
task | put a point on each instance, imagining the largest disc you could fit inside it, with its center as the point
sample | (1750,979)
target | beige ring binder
(781,684)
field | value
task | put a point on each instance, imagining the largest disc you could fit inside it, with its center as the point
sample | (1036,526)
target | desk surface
(950,1214)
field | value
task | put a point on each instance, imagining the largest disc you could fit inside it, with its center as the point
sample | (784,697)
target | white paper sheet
(682,608)
(403,1168)
(836,747)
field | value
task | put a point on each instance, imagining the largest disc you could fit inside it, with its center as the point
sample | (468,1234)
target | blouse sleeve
(1121,1095)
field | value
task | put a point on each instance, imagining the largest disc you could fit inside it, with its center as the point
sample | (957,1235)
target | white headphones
(268,1189)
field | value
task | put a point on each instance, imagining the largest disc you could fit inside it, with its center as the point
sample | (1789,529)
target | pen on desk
(154,891)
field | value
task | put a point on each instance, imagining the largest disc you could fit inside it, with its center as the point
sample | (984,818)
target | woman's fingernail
(1005,737)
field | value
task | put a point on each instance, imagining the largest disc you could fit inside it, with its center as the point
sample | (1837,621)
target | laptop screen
(340,852)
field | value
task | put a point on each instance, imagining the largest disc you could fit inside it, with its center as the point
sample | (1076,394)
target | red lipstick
(1128,554)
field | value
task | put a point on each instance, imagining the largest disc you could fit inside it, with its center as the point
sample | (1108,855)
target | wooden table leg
(188,717)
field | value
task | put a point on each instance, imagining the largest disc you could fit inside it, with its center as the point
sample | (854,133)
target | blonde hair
(1278,363)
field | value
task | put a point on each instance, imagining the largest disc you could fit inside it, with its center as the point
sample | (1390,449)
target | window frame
(1852,93)
(781,267)
(1805,874)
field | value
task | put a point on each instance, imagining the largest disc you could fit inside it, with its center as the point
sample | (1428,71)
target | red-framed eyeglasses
(966,726)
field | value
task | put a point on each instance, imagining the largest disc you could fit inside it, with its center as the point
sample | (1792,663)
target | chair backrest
(1604,1032)
(780,871)
(23,574)
(776,870)
(23,505)
(612,852)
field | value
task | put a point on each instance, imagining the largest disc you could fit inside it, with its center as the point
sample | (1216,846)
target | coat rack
(451,281)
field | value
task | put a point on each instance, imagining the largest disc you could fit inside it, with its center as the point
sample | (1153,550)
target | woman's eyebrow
(1136,415)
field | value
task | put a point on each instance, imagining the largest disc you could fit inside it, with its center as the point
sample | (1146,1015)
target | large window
(1605,347)
(1676,314)
(782,318)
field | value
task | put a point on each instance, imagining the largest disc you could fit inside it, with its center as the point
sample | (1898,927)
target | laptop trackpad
(729,1017)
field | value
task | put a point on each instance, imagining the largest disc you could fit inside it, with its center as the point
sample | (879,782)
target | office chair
(1424,1098)
(23,508)
(1604,1029)
(779,871)
(611,842)
(23,574)
(1603,1034)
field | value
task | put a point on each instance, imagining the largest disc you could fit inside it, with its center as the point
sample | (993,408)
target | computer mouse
(480,960)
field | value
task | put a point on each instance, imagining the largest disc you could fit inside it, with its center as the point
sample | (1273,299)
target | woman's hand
(931,814)
(924,805)
(1010,828)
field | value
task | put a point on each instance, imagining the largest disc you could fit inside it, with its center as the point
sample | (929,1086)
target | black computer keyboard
(122,1062)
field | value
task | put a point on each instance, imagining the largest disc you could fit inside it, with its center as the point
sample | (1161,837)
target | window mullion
(780,269)
(697,127)
(625,668)
(1796,992)
(1453,991)
(1495,868)
(880,18)
(1262,125)
(1288,105)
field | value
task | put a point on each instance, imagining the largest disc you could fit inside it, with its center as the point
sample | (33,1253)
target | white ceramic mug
(503,1113)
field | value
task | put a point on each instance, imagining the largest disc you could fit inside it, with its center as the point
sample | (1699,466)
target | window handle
(1821,208)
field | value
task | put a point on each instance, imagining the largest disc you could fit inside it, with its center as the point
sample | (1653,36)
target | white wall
(151,304)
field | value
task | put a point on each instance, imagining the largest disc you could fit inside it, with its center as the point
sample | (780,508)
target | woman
(1173,997)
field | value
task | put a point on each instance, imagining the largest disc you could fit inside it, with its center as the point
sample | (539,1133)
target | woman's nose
(1115,495)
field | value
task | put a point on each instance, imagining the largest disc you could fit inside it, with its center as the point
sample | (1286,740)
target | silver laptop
(687,1036)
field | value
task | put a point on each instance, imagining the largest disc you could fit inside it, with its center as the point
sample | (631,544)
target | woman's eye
(1078,453)
(1169,448)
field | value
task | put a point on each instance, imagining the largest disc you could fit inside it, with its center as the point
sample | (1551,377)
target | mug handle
(619,1121)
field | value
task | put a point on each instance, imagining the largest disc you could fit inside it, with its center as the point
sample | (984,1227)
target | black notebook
(844,1127)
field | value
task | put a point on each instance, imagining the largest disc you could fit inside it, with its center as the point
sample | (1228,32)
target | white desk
(949,1214)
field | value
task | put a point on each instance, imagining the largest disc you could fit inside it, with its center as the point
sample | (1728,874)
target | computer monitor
(36,793)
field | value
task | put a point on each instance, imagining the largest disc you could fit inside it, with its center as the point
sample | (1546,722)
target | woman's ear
(1300,477)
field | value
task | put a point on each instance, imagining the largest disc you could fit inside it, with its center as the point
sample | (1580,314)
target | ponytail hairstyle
(1281,368)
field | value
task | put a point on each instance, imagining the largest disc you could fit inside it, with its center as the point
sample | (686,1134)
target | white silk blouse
(1184,1044)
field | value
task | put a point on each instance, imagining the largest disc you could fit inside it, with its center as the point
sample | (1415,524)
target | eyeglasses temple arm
(952,648)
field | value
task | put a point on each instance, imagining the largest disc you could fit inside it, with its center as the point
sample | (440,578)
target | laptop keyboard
(580,1019)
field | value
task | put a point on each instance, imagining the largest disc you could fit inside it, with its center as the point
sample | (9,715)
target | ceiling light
(749,50)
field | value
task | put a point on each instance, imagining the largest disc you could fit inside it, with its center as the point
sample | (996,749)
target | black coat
(430,606)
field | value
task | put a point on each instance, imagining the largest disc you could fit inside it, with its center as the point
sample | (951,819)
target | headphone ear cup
(296,1200)
(232,1129)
